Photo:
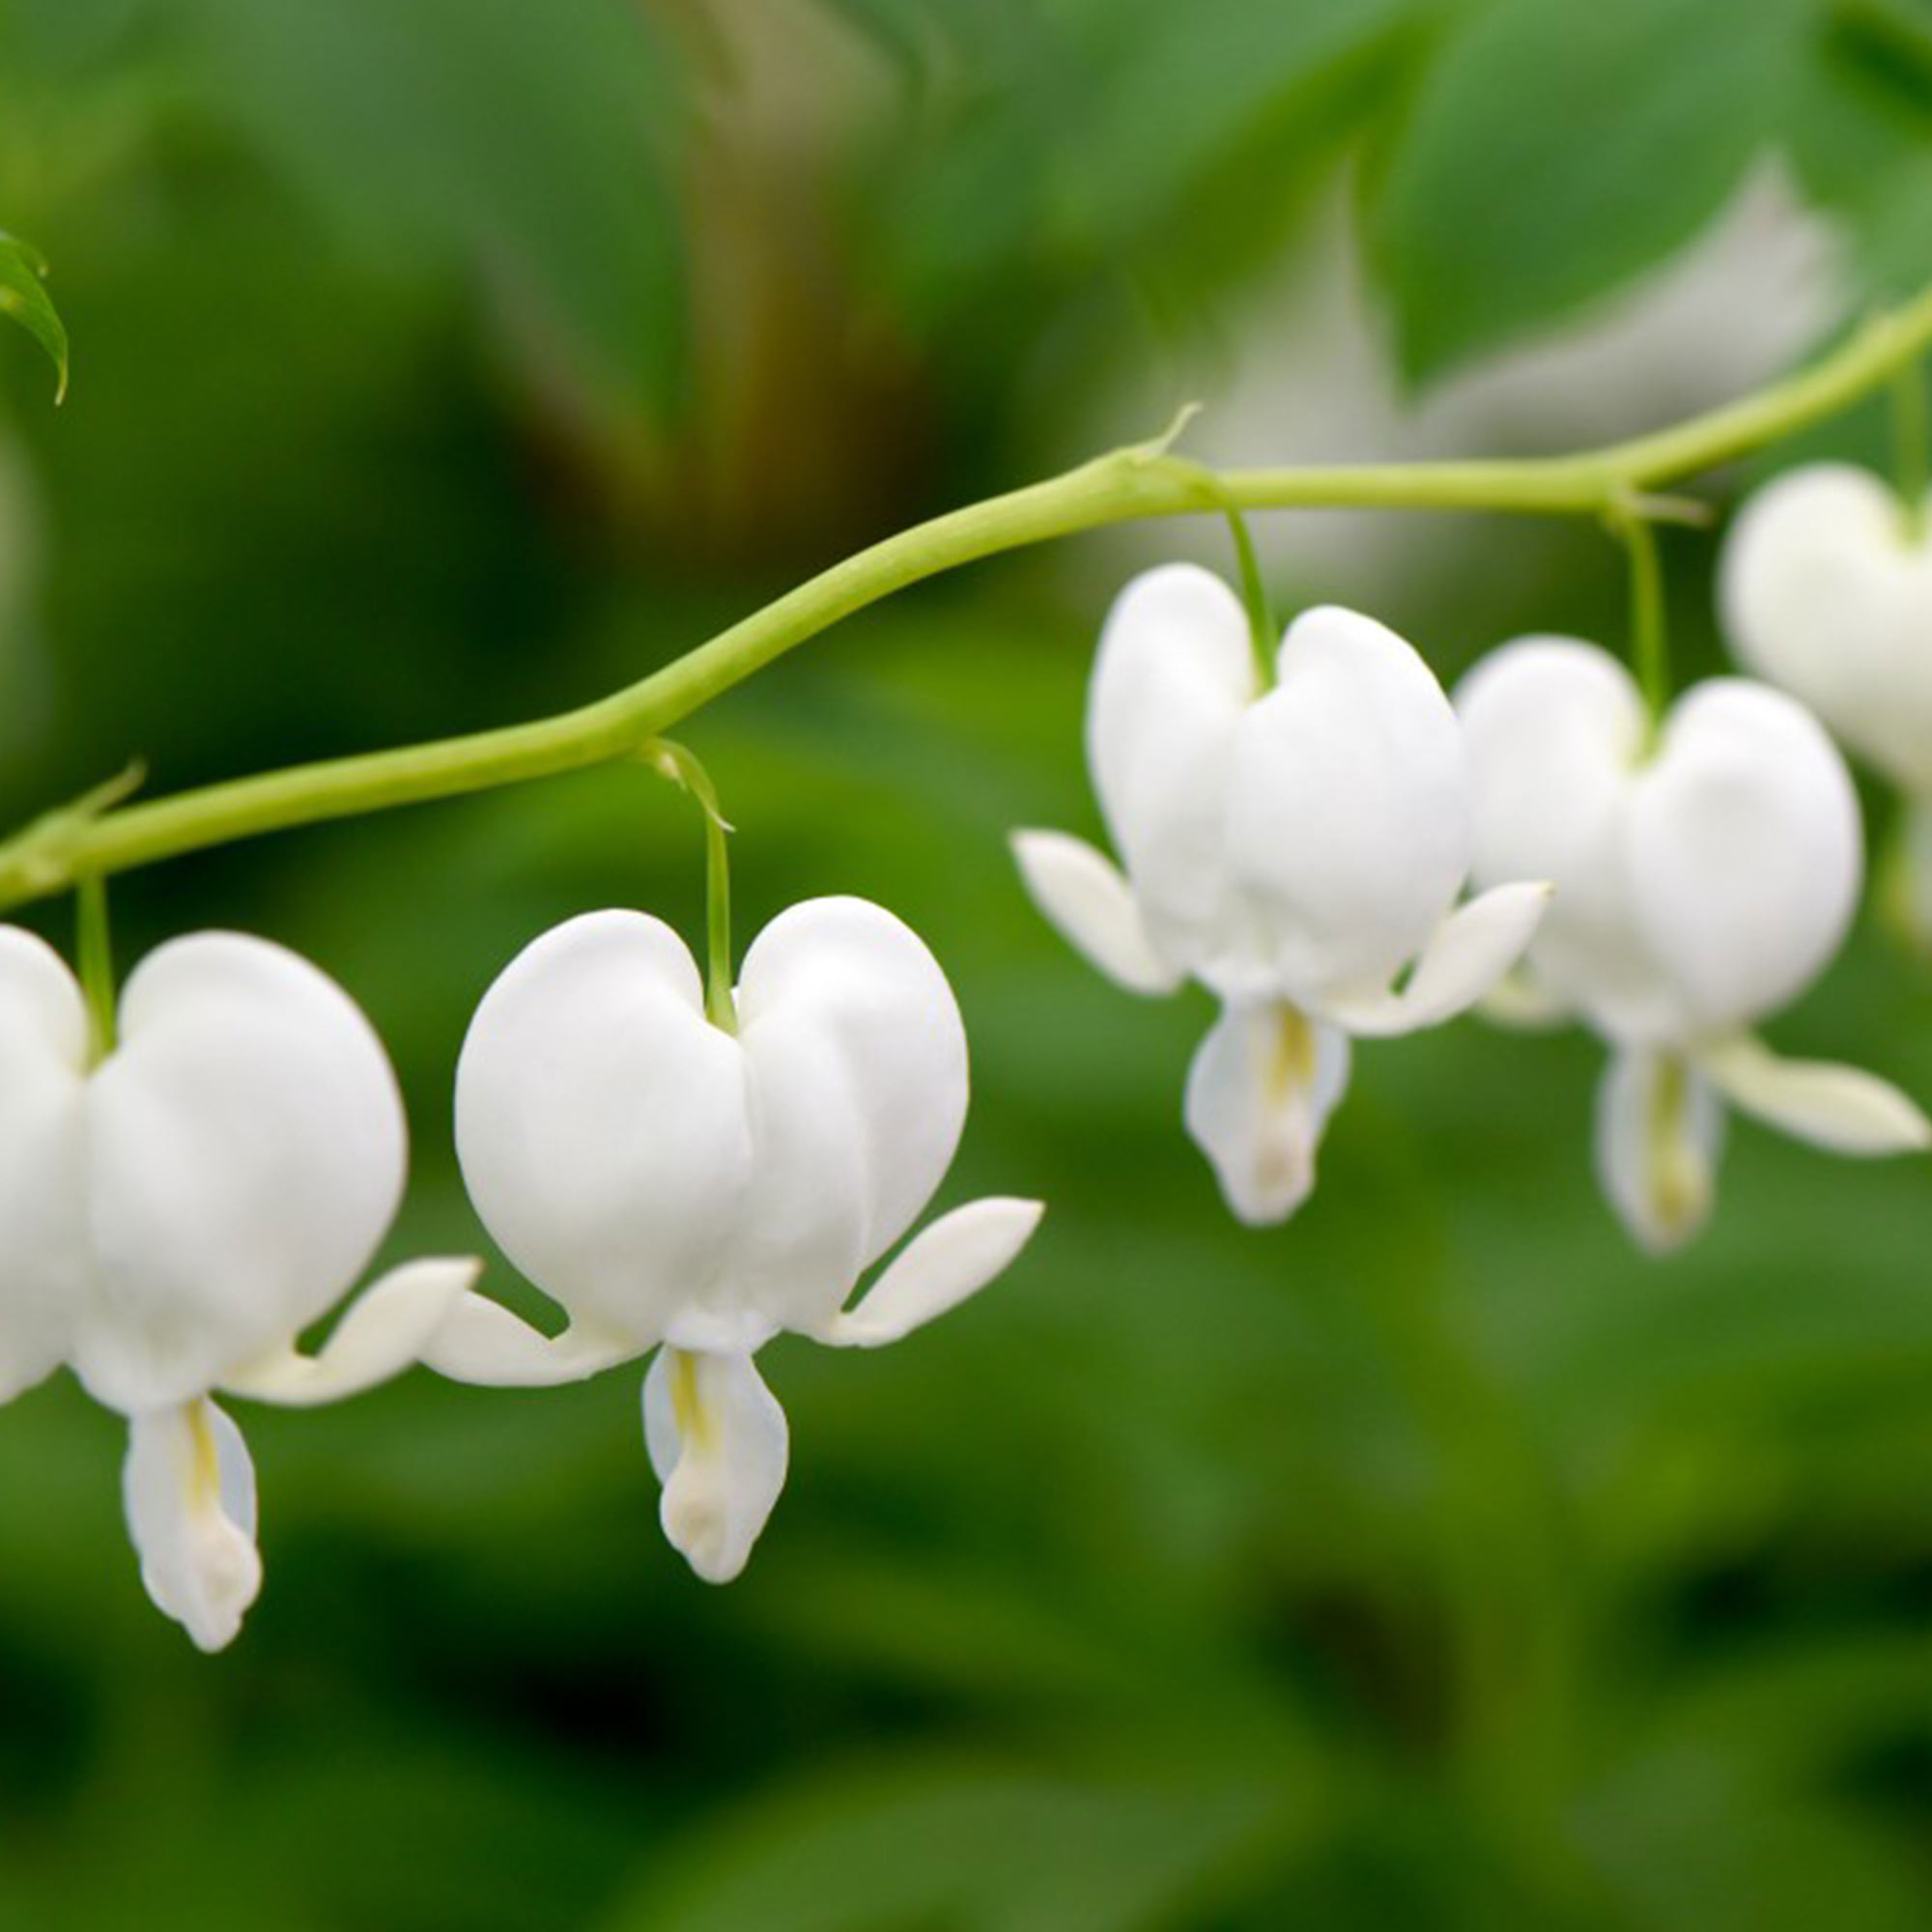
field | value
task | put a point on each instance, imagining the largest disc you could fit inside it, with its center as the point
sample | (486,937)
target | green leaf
(1555,151)
(531,146)
(1192,82)
(1089,145)
(23,296)
(1862,141)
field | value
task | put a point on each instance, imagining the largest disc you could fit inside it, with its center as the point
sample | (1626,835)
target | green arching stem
(682,767)
(96,953)
(1649,632)
(1912,443)
(1261,633)
(1129,484)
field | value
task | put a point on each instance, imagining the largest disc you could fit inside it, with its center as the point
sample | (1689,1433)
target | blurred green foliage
(1433,1562)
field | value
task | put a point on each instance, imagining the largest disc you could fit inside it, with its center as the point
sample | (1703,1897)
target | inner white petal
(717,1440)
(1260,1091)
(189,1490)
(1660,1130)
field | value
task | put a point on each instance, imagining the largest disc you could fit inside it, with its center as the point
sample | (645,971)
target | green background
(1435,1560)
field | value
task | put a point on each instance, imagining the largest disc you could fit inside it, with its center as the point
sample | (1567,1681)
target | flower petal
(43,1261)
(1174,674)
(1744,850)
(1468,953)
(938,1269)
(188,1489)
(1556,729)
(1822,591)
(1659,1133)
(1260,1091)
(480,1340)
(1088,901)
(382,1333)
(1349,815)
(717,1440)
(601,1122)
(246,1149)
(857,1058)
(1831,1106)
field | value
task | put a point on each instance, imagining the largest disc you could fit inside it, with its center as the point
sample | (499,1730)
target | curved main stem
(1146,481)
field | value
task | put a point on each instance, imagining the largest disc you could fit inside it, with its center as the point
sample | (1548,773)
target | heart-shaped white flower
(1702,883)
(172,1218)
(1824,587)
(1291,844)
(671,1184)
(1827,590)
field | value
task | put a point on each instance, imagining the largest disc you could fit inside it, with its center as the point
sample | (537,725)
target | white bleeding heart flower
(674,1185)
(174,1213)
(1825,586)
(1702,883)
(1294,845)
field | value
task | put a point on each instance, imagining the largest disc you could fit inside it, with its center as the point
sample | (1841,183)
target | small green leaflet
(23,296)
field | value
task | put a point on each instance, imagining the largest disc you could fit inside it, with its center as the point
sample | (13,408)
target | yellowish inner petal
(1292,1065)
(687,1404)
(1677,1175)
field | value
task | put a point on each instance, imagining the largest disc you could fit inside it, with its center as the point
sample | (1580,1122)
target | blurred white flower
(1825,587)
(1701,886)
(1293,846)
(671,1184)
(1298,373)
(173,1216)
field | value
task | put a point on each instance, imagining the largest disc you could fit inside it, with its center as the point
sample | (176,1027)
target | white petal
(1556,729)
(1466,958)
(1089,905)
(1260,1091)
(601,1122)
(1349,814)
(856,1059)
(480,1340)
(43,1263)
(1659,1133)
(938,1269)
(1174,671)
(1822,591)
(1832,1106)
(382,1332)
(188,1489)
(717,1440)
(1746,851)
(247,1154)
